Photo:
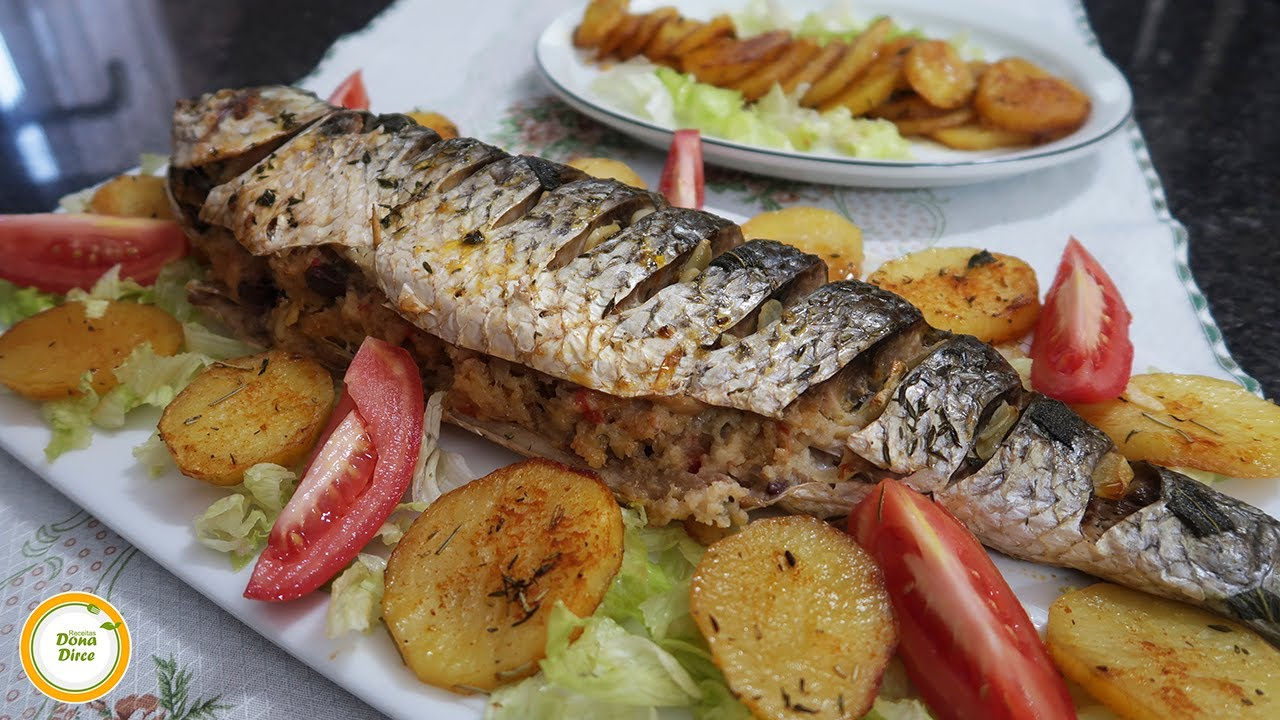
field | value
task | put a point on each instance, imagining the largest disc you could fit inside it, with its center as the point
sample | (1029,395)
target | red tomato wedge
(354,482)
(681,181)
(1081,349)
(966,641)
(55,252)
(350,93)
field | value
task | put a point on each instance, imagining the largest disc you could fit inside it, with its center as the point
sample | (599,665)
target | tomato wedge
(55,252)
(351,93)
(353,483)
(681,181)
(966,641)
(1081,349)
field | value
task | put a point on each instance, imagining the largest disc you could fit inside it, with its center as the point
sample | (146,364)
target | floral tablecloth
(193,660)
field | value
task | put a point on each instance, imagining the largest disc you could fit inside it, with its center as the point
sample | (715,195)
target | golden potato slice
(598,21)
(1192,421)
(722,62)
(626,26)
(823,232)
(797,617)
(649,25)
(1149,658)
(1018,95)
(795,56)
(936,71)
(44,356)
(924,126)
(872,89)
(139,196)
(267,408)
(857,58)
(669,33)
(981,137)
(816,67)
(720,26)
(443,126)
(609,168)
(470,587)
(991,296)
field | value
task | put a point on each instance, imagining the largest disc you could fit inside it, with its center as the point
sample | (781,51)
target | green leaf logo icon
(110,625)
(94,609)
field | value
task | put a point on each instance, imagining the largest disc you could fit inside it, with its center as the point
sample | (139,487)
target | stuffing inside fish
(701,376)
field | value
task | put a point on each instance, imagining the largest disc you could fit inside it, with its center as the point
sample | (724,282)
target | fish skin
(227,123)
(1034,497)
(822,333)
(932,420)
(283,202)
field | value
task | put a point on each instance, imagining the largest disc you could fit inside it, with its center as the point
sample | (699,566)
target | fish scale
(941,400)
(621,361)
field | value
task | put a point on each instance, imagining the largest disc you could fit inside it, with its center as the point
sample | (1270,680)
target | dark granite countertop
(90,90)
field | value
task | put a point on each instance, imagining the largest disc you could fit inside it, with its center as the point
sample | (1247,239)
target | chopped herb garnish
(267,198)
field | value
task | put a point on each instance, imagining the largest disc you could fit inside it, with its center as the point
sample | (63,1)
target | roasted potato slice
(981,137)
(649,25)
(936,71)
(470,587)
(139,196)
(823,232)
(598,21)
(1149,658)
(856,59)
(266,408)
(443,126)
(626,26)
(44,356)
(941,121)
(1192,421)
(818,65)
(720,26)
(797,617)
(609,168)
(991,296)
(873,88)
(1018,95)
(756,84)
(722,62)
(669,33)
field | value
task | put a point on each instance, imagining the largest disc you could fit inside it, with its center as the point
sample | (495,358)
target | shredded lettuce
(109,287)
(238,524)
(152,163)
(18,303)
(776,120)
(437,471)
(904,709)
(355,602)
(146,379)
(640,650)
(69,420)
(154,455)
(200,339)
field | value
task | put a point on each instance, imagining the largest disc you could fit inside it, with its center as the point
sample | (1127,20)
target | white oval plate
(997,31)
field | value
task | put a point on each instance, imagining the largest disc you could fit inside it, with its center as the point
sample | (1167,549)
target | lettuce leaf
(154,455)
(239,524)
(18,303)
(904,709)
(640,650)
(777,120)
(146,379)
(70,420)
(355,601)
(107,288)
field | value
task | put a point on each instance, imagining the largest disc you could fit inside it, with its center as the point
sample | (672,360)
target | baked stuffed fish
(700,375)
